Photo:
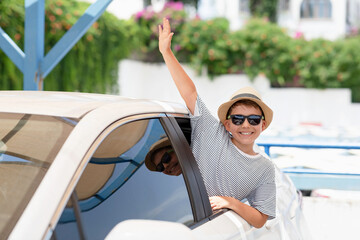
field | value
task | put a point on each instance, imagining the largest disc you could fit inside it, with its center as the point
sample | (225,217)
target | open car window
(117,185)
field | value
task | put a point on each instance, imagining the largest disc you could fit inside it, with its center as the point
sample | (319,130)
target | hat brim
(162,143)
(224,108)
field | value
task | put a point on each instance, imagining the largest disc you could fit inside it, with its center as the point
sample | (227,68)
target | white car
(72,167)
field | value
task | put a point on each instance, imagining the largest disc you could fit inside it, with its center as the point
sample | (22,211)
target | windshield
(28,146)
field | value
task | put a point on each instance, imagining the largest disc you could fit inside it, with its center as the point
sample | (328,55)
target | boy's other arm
(253,216)
(182,81)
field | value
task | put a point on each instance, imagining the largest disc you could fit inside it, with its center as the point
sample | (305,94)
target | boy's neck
(248,149)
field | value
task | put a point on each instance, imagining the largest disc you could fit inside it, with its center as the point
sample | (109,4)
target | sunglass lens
(237,119)
(166,158)
(160,167)
(254,119)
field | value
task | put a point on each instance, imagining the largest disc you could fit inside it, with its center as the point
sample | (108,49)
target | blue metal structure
(308,179)
(32,62)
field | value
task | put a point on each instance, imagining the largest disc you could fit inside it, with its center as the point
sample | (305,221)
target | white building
(329,19)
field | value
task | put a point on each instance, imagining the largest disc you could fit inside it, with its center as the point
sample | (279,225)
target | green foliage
(264,8)
(346,65)
(12,22)
(326,64)
(194,3)
(315,66)
(92,64)
(262,47)
(204,42)
(147,22)
(266,48)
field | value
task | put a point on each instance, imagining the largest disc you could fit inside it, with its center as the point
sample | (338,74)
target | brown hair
(245,102)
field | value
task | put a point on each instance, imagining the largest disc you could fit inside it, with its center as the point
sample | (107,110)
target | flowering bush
(92,64)
(267,49)
(148,20)
(202,44)
(261,47)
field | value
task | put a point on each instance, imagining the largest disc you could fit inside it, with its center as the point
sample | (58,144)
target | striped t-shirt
(226,170)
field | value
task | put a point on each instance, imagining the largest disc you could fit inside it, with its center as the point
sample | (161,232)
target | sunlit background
(301,55)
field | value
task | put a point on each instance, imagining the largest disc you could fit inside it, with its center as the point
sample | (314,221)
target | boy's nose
(246,123)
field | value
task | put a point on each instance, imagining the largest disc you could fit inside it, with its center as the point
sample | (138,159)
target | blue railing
(308,179)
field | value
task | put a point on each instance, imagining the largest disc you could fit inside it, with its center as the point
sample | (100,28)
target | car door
(116,185)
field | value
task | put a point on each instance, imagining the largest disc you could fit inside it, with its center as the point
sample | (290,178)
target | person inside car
(224,150)
(162,158)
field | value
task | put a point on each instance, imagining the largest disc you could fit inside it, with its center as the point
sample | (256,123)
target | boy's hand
(219,202)
(165,36)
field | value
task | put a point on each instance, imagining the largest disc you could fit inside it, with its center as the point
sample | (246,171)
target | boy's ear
(227,124)
(263,125)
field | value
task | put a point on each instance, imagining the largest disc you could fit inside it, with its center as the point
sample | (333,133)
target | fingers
(214,206)
(166,26)
(165,36)
(170,36)
(215,203)
(160,30)
(219,202)
(165,29)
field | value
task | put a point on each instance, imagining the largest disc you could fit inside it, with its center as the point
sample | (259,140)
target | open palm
(165,36)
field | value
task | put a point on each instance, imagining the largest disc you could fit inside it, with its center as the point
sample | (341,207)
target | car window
(118,184)
(28,146)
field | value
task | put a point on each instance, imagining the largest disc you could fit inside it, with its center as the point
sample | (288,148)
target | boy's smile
(244,135)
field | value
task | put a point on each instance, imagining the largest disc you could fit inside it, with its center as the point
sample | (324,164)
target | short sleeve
(263,198)
(201,109)
(203,122)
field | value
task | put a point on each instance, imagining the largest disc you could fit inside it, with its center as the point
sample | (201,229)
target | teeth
(248,133)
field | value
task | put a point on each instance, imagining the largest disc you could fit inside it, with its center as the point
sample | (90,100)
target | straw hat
(162,143)
(250,94)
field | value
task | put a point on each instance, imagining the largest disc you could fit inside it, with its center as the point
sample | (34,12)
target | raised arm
(182,81)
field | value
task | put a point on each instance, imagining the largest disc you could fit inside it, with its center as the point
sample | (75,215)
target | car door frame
(193,179)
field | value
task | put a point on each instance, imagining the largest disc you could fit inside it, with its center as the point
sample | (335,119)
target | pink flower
(148,15)
(177,47)
(139,14)
(354,31)
(174,5)
(298,34)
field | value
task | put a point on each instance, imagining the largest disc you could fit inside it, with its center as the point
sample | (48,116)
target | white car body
(94,119)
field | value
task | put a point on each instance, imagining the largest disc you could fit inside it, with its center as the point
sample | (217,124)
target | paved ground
(333,218)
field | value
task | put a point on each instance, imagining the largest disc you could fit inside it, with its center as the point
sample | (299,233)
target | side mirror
(150,229)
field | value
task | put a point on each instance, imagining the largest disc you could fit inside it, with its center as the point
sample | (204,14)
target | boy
(231,170)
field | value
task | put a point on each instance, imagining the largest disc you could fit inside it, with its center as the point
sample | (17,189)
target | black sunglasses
(240,119)
(164,159)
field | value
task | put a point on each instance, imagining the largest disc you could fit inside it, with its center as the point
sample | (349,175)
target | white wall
(292,106)
(331,29)
(122,9)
